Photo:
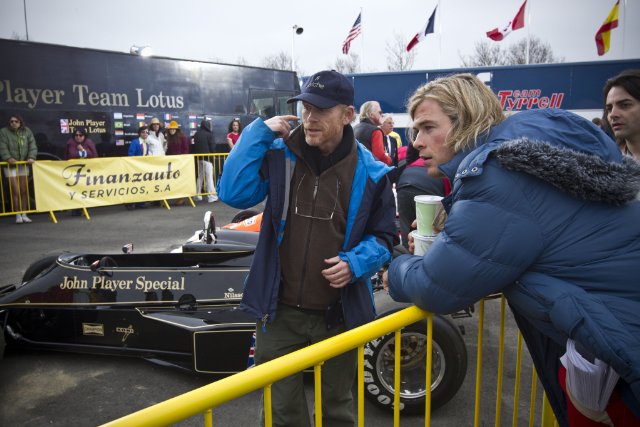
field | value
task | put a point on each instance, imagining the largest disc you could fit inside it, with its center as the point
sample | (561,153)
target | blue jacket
(543,209)
(135,148)
(261,166)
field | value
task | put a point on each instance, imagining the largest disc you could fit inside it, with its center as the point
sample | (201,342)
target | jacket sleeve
(91,148)
(4,147)
(374,249)
(489,240)
(242,185)
(33,148)
(377,147)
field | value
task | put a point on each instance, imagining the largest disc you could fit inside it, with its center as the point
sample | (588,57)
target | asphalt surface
(49,388)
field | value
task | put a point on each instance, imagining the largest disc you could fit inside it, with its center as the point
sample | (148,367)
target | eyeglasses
(14,121)
(313,210)
(144,131)
(78,134)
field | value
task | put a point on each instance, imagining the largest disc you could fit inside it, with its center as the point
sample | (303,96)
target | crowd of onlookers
(17,144)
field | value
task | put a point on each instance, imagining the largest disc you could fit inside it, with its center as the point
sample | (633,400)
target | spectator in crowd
(176,144)
(156,141)
(414,181)
(543,209)
(17,144)
(176,140)
(203,146)
(368,133)
(139,147)
(391,146)
(235,129)
(622,110)
(80,147)
(306,238)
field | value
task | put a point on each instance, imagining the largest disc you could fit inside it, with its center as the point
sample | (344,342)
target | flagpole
(527,19)
(624,10)
(439,19)
(362,42)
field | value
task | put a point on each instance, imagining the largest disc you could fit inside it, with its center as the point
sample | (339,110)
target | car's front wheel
(449,366)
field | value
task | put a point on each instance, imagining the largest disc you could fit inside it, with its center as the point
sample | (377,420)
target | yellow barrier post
(361,386)
(476,411)
(396,377)
(317,382)
(208,418)
(516,393)
(268,415)
(427,390)
(500,360)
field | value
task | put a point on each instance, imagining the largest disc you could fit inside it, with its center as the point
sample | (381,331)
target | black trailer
(58,88)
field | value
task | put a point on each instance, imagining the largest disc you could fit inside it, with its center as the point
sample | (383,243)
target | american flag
(353,33)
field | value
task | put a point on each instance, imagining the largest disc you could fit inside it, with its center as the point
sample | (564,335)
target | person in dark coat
(204,145)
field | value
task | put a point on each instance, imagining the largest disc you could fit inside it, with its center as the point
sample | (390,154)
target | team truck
(59,88)
(573,86)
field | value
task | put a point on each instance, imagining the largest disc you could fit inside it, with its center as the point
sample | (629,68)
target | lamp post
(141,50)
(296,30)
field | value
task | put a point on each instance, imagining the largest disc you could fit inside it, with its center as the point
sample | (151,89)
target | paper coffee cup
(426,213)
(421,243)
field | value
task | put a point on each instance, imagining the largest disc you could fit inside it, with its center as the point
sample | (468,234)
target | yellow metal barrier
(17,191)
(200,401)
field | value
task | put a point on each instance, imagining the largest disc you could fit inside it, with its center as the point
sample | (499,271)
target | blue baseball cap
(326,89)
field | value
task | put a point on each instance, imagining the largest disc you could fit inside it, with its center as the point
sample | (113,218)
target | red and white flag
(353,33)
(498,34)
(427,29)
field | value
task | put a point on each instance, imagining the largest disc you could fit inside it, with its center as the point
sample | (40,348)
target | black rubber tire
(449,366)
(245,214)
(2,343)
(38,267)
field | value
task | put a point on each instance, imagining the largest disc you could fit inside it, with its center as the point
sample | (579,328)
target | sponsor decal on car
(139,284)
(231,294)
(96,329)
(126,331)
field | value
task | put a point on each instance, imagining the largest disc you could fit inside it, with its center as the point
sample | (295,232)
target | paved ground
(47,388)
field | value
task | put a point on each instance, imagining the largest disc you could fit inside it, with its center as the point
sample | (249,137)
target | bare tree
(242,61)
(16,36)
(279,61)
(539,52)
(398,59)
(485,54)
(488,53)
(347,64)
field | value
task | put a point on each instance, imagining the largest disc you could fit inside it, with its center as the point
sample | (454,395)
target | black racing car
(181,309)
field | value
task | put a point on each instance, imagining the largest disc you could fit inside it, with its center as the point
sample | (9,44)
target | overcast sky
(219,30)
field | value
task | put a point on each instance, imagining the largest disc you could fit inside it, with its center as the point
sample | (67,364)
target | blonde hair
(470,105)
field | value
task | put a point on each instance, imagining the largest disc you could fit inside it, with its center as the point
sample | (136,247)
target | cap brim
(315,100)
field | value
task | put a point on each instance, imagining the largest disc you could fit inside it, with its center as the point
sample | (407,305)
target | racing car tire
(2,343)
(449,366)
(245,214)
(38,267)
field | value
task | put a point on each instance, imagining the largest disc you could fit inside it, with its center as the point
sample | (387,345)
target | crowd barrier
(49,186)
(203,400)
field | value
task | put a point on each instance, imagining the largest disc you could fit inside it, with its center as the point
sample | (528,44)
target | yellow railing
(17,191)
(202,400)
(14,188)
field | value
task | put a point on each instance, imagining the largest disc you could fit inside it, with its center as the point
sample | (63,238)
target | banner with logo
(103,181)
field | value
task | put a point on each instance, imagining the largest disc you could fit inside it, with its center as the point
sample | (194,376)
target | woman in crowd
(156,140)
(17,144)
(80,147)
(235,129)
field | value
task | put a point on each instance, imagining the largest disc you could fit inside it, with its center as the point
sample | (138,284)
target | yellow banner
(103,181)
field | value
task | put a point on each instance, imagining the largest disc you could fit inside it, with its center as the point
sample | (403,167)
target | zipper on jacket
(264,320)
(306,251)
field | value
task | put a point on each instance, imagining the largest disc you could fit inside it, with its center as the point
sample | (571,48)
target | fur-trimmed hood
(581,175)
